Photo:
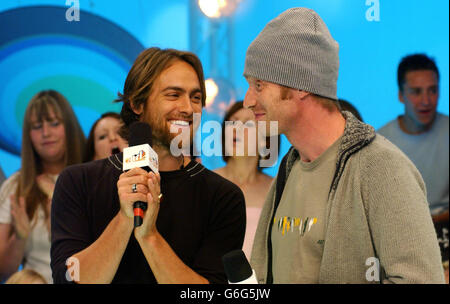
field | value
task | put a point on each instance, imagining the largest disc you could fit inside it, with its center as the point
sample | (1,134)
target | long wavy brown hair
(31,163)
(147,67)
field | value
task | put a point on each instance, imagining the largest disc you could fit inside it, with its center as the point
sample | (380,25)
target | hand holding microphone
(136,185)
(146,225)
(132,187)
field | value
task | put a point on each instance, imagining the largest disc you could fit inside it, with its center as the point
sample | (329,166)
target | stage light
(220,94)
(211,91)
(217,8)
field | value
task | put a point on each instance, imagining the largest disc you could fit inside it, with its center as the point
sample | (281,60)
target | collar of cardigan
(356,136)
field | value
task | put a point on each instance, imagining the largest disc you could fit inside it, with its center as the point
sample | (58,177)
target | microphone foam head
(237,268)
(140,133)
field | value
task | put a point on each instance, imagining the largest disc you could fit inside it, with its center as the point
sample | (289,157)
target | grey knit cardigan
(377,208)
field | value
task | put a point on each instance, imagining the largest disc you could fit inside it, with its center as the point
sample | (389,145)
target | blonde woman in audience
(52,139)
(104,139)
(244,171)
(26,276)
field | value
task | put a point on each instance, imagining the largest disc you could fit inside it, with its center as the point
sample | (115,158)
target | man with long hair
(183,237)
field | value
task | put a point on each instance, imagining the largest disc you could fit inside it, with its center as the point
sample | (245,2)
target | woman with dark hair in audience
(104,139)
(51,140)
(245,170)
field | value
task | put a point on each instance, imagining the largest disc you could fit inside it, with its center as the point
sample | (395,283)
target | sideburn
(160,132)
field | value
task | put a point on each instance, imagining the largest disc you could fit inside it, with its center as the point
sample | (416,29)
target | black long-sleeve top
(202,217)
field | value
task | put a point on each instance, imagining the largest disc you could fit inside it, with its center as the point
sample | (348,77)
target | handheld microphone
(237,268)
(140,154)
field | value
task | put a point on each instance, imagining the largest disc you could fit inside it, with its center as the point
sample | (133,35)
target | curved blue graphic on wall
(87,61)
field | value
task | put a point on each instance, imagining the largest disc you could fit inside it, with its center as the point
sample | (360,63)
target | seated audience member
(52,139)
(347,106)
(26,276)
(422,133)
(104,139)
(245,170)
(193,215)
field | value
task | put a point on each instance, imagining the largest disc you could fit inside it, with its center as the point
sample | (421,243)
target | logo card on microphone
(140,156)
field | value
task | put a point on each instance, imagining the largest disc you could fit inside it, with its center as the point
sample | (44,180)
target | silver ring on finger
(134,188)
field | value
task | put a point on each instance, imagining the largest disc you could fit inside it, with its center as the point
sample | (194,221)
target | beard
(161,134)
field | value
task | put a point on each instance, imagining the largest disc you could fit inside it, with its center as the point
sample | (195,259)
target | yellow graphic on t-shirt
(294,224)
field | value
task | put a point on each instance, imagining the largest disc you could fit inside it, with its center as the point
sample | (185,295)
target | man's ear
(303,94)
(137,109)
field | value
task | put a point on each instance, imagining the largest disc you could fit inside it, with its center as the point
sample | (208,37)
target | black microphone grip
(139,208)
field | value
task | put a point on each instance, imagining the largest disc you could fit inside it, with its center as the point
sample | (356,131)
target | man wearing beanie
(347,205)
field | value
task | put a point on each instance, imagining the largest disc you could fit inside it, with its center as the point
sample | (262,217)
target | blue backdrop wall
(88,60)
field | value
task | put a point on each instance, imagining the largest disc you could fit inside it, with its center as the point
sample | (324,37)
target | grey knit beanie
(296,50)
